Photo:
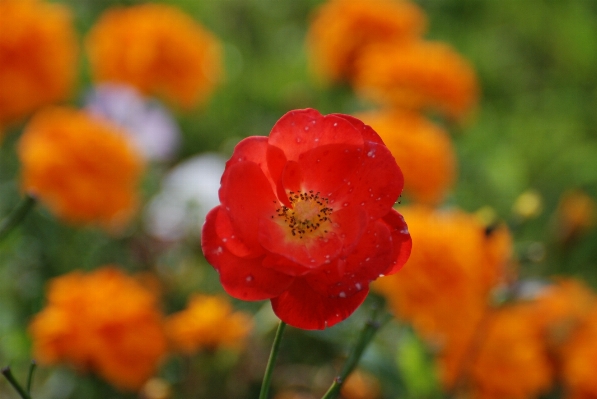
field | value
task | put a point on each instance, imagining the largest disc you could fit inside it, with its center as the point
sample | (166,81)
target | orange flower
(82,168)
(423,150)
(38,56)
(103,321)
(418,75)
(511,359)
(576,214)
(579,357)
(208,322)
(341,29)
(561,307)
(444,288)
(158,49)
(361,385)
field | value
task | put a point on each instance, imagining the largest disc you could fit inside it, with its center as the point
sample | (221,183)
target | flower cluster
(306,218)
(378,48)
(111,324)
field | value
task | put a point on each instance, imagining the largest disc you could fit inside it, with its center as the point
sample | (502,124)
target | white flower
(188,192)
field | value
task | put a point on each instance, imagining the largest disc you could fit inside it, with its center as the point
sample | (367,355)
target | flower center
(308,213)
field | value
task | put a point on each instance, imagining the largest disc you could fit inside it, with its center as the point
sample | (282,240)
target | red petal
(225,231)
(308,251)
(371,257)
(367,131)
(376,184)
(299,131)
(326,168)
(255,149)
(242,278)
(401,240)
(302,307)
(292,178)
(247,197)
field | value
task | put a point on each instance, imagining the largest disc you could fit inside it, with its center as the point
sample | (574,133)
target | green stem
(267,377)
(8,374)
(16,216)
(30,376)
(363,341)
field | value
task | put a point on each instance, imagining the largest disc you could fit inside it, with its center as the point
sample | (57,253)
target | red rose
(306,218)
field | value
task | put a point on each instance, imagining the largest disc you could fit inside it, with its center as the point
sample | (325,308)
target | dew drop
(219,250)
(316,139)
(342,294)
(367,260)
(358,286)
(335,124)
(362,203)
(404,231)
(345,204)
(378,198)
(298,139)
(371,154)
(306,128)
(382,275)
(249,278)
(224,239)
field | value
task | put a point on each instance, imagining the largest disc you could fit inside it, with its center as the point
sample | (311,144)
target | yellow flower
(418,75)
(103,321)
(208,322)
(510,359)
(423,150)
(83,169)
(158,49)
(444,288)
(38,56)
(341,29)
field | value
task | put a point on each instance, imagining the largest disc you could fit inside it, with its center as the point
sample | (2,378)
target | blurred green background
(535,129)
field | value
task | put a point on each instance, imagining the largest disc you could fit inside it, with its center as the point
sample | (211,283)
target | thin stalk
(267,377)
(15,384)
(363,341)
(16,216)
(30,376)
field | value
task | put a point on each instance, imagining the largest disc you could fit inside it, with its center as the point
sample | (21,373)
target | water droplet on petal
(219,251)
(358,286)
(224,239)
(345,204)
(298,139)
(335,124)
(342,294)
(367,260)
(306,128)
(362,203)
(249,278)
(371,154)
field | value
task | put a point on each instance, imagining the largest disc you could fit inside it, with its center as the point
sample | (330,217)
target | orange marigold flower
(418,75)
(158,49)
(341,29)
(208,322)
(38,56)
(83,169)
(423,150)
(510,360)
(561,307)
(103,321)
(444,288)
(579,357)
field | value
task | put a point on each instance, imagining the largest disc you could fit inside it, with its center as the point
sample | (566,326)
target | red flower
(306,218)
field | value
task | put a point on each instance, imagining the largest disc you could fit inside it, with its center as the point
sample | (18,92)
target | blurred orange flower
(560,308)
(510,360)
(579,357)
(444,288)
(80,167)
(360,385)
(158,49)
(103,321)
(423,150)
(341,29)
(418,75)
(575,215)
(208,322)
(38,56)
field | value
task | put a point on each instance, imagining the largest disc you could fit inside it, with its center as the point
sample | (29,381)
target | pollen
(308,213)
